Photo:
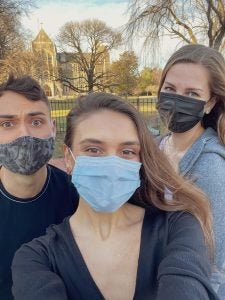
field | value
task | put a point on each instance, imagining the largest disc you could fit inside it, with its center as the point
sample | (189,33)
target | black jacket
(173,263)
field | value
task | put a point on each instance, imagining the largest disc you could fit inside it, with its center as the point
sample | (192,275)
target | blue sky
(52,14)
(55,13)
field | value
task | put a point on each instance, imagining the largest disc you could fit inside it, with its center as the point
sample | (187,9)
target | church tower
(46,70)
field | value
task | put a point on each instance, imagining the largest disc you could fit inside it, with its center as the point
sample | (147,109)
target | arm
(33,278)
(210,177)
(208,174)
(185,269)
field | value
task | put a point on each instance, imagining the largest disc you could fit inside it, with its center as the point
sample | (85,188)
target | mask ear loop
(72,154)
(207,111)
(69,168)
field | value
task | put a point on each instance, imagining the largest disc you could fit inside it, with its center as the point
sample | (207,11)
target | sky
(52,14)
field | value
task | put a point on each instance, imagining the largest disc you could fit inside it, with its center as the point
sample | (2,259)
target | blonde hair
(214,63)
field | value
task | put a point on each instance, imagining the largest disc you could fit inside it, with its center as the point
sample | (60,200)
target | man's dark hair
(26,86)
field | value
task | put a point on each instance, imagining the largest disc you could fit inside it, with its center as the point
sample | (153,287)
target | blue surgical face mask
(105,183)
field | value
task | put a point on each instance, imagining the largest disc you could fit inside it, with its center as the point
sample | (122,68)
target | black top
(22,220)
(173,263)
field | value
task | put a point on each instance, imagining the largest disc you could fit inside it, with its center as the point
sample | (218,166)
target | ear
(53,128)
(69,161)
(210,104)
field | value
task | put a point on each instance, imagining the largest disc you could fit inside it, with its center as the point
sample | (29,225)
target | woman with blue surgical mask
(150,247)
(191,103)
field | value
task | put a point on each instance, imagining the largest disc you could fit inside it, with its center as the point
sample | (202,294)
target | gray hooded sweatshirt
(204,164)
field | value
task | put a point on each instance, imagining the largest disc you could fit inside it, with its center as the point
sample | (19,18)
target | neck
(23,186)
(182,141)
(104,225)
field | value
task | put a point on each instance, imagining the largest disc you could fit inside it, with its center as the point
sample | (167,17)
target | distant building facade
(51,64)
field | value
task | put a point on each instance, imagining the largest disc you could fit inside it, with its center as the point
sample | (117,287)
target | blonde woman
(192,105)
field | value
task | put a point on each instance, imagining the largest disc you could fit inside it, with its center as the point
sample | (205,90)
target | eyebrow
(194,89)
(7,116)
(96,141)
(131,143)
(189,89)
(32,114)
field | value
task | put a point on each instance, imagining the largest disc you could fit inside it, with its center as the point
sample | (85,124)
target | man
(33,194)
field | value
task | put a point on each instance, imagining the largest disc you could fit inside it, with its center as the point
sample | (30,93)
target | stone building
(50,64)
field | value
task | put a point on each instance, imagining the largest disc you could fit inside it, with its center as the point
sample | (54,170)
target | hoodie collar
(197,148)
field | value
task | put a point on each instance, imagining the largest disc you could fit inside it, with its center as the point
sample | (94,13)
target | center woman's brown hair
(156,171)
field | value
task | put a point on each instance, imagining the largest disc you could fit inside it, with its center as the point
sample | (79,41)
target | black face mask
(180,113)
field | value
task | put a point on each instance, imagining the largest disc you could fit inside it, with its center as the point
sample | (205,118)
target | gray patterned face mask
(27,154)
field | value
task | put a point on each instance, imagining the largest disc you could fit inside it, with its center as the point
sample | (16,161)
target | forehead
(188,73)
(107,126)
(12,103)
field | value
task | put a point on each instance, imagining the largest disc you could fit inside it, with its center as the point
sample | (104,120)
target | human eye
(193,94)
(36,122)
(7,124)
(169,89)
(128,153)
(93,151)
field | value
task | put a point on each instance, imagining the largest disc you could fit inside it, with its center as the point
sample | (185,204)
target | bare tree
(10,26)
(20,62)
(19,59)
(86,47)
(191,21)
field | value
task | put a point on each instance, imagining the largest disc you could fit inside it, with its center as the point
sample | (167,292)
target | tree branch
(185,26)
